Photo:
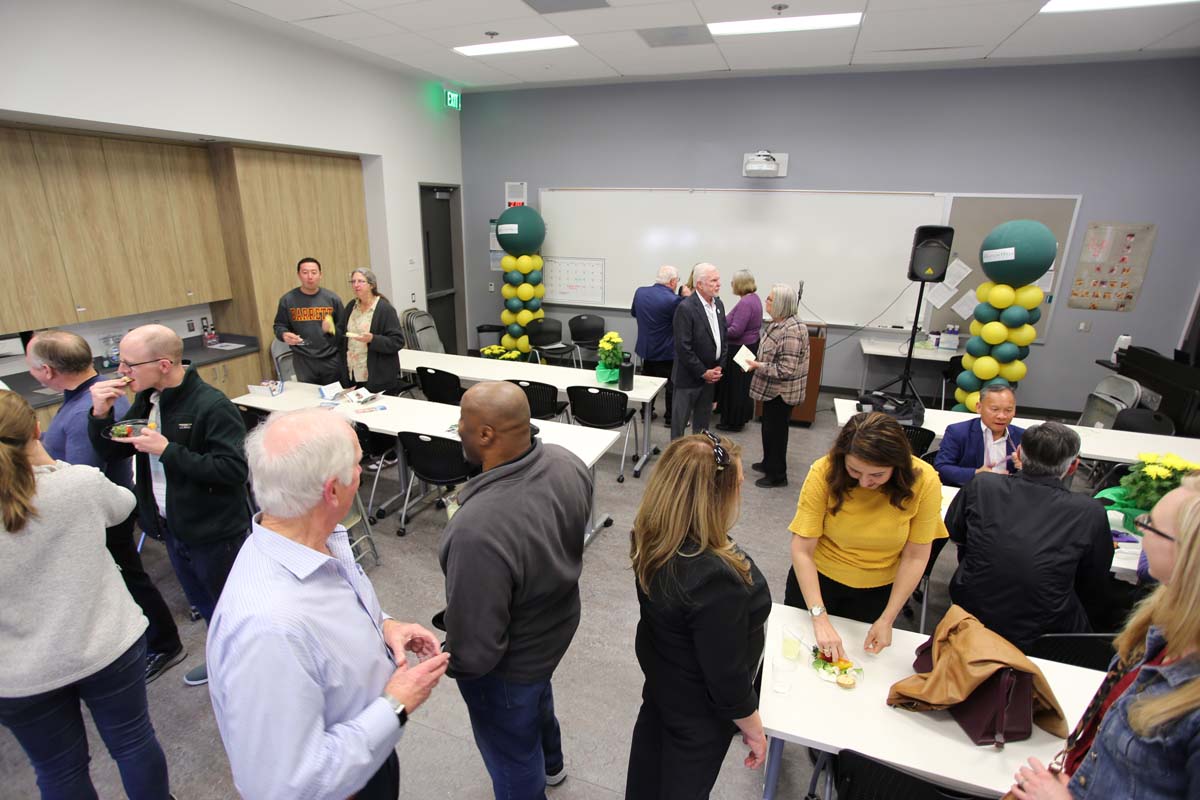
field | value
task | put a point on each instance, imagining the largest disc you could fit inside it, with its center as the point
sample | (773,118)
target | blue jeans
(516,732)
(201,568)
(49,727)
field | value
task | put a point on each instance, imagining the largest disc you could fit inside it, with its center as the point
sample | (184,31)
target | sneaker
(158,663)
(767,482)
(386,463)
(197,676)
(556,778)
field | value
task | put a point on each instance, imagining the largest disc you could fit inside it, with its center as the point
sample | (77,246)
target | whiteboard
(851,249)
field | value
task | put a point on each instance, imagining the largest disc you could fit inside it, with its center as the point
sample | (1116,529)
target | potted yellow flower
(493,351)
(608,369)
(1149,478)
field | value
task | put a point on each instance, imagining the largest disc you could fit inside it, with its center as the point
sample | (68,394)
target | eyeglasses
(1143,522)
(719,452)
(127,365)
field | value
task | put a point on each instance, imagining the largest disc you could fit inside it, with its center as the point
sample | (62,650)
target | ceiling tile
(573,63)
(675,36)
(461,69)
(623,3)
(349,26)
(559,6)
(397,44)
(903,5)
(603,20)
(1185,38)
(371,5)
(1096,31)
(291,10)
(508,29)
(628,54)
(965,26)
(922,56)
(785,51)
(732,10)
(430,14)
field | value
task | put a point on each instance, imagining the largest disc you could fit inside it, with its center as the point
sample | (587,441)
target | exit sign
(453,100)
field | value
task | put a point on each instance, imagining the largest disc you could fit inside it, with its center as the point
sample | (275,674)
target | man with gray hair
(700,330)
(1033,557)
(654,308)
(309,679)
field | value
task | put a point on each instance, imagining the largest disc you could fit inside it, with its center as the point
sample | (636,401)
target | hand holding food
(105,393)
(828,640)
(879,637)
(841,671)
(328,325)
(145,440)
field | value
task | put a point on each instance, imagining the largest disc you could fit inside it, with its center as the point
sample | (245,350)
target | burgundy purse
(999,710)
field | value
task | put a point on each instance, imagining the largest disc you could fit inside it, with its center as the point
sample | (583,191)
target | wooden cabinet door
(242,372)
(37,293)
(192,195)
(45,414)
(84,212)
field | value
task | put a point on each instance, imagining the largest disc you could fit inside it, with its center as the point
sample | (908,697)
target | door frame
(456,258)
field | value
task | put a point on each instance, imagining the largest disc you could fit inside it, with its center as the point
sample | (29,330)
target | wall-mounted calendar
(577,281)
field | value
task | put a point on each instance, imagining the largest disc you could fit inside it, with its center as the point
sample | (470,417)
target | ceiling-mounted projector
(764,164)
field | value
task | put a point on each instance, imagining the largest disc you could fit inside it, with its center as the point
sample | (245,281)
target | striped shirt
(297,665)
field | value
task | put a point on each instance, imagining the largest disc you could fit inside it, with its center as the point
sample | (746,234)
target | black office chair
(930,457)
(435,460)
(586,332)
(604,408)
(439,386)
(1143,420)
(1088,650)
(489,328)
(545,340)
(251,417)
(860,777)
(921,593)
(543,399)
(919,439)
(380,453)
(949,376)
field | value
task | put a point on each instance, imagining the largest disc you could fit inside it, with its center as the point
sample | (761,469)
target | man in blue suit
(988,444)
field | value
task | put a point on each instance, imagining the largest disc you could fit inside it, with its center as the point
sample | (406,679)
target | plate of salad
(844,672)
(126,428)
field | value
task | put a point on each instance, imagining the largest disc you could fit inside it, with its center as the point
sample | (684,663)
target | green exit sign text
(453,100)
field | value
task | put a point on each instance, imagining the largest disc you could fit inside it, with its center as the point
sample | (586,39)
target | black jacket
(204,462)
(383,363)
(695,350)
(701,632)
(1033,557)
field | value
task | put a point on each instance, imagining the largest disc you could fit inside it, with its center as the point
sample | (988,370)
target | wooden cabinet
(233,376)
(45,414)
(203,268)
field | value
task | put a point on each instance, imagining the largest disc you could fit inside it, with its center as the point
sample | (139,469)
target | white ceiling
(418,36)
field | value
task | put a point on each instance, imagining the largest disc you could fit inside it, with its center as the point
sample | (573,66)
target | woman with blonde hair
(743,324)
(69,630)
(1140,737)
(704,607)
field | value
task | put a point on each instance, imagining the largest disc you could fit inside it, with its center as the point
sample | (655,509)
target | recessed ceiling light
(815,22)
(1067,6)
(518,46)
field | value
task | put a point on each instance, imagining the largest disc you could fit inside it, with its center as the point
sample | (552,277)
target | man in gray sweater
(512,554)
(305,320)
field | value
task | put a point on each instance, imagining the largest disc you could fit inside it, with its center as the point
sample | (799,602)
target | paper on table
(955,273)
(225,346)
(965,305)
(940,294)
(743,357)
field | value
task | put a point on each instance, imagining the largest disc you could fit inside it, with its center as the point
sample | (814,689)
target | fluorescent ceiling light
(518,46)
(815,22)
(1067,6)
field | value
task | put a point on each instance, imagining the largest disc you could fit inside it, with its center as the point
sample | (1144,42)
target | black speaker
(930,253)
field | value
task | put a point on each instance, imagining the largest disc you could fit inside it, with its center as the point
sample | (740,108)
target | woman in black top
(369,337)
(704,606)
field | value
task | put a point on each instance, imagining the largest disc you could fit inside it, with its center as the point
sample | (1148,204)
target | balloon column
(1014,255)
(520,231)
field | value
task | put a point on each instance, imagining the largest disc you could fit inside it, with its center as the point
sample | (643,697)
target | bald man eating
(512,554)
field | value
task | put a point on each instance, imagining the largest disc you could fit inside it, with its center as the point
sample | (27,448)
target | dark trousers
(162,636)
(384,784)
(516,732)
(776,418)
(694,403)
(202,568)
(49,727)
(322,372)
(673,756)
(661,369)
(864,605)
(733,391)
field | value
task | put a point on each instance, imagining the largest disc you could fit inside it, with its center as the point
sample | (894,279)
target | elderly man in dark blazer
(699,329)
(986,444)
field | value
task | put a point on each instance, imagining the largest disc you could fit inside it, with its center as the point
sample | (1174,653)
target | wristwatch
(816,611)
(397,709)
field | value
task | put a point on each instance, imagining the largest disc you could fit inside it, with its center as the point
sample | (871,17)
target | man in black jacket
(1033,557)
(191,468)
(699,330)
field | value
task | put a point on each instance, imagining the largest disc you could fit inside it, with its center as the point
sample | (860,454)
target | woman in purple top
(744,323)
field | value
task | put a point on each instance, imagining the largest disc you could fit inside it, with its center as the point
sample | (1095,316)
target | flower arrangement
(493,351)
(611,353)
(1149,478)
(511,355)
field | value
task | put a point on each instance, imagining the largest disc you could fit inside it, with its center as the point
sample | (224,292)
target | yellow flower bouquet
(1149,478)
(611,356)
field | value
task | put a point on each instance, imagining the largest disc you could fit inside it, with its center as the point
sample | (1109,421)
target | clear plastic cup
(793,643)
(783,672)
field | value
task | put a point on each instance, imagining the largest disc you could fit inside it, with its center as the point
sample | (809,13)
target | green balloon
(977,347)
(534,277)
(515,331)
(967,381)
(1014,316)
(1035,314)
(1006,352)
(986,312)
(1018,252)
(514,304)
(1023,352)
(960,407)
(520,231)
(997,381)
(514,277)
(534,304)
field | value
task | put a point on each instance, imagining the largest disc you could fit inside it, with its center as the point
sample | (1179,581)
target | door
(442,299)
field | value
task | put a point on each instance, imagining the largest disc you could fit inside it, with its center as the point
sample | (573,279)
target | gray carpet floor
(597,687)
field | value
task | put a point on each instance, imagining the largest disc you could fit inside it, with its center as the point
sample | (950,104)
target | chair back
(860,777)
(435,459)
(930,457)
(919,439)
(935,550)
(1125,391)
(372,446)
(598,408)
(543,332)
(285,370)
(543,399)
(278,348)
(1089,650)
(251,418)
(586,329)
(1099,412)
(439,386)
(1143,420)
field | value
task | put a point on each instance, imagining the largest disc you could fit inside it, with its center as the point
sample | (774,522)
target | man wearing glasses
(1033,557)
(191,468)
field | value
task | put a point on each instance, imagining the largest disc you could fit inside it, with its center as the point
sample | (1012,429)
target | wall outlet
(492,287)
(191,325)
(1085,326)
(414,297)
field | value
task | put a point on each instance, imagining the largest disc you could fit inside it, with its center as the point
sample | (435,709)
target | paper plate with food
(127,428)
(844,672)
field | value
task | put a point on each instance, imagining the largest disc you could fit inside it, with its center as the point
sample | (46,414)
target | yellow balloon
(994,332)
(981,291)
(972,401)
(968,362)
(986,368)
(539,291)
(508,291)
(1013,371)
(1022,336)
(507,317)
(539,314)
(524,317)
(508,263)
(1002,295)
(523,344)
(524,265)
(1030,297)
(975,327)
(525,291)
(537,261)
(508,342)
(960,395)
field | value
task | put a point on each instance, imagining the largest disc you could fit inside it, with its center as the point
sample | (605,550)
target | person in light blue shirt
(309,678)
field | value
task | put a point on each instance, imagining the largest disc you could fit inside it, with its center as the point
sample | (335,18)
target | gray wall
(1122,135)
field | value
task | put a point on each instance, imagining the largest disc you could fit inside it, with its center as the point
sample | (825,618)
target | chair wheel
(440,503)
(401,532)
(381,513)
(608,523)
(620,479)
(372,520)
(637,473)
(657,451)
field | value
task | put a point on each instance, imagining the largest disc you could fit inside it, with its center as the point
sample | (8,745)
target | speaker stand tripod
(905,377)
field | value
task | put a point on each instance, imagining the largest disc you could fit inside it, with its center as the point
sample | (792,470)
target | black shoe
(767,482)
(158,663)
(758,466)
(721,426)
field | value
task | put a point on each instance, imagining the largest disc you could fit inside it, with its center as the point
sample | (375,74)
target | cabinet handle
(189,292)
(79,308)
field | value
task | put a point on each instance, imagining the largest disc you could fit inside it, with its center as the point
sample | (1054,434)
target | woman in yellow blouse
(867,515)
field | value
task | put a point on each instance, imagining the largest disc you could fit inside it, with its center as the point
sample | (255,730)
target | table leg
(774,757)
(647,412)
(598,521)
